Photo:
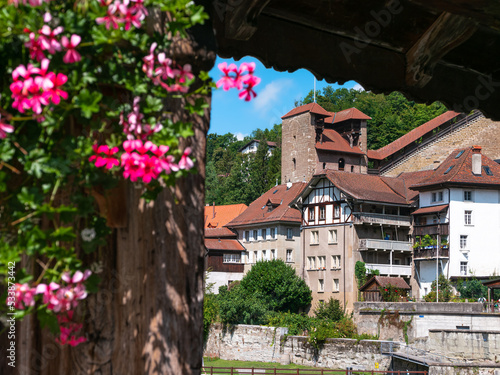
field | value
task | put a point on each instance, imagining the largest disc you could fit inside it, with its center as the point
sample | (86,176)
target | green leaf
(49,320)
(63,234)
(88,102)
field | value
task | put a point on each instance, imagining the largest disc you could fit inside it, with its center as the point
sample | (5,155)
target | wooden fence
(276,371)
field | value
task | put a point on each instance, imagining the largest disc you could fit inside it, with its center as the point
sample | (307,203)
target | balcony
(369,218)
(390,269)
(429,252)
(373,244)
(432,229)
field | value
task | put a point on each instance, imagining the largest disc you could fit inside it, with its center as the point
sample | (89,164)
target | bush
(472,289)
(390,293)
(297,324)
(238,307)
(360,273)
(331,310)
(444,290)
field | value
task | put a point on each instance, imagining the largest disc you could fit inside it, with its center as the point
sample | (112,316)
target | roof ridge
(389,186)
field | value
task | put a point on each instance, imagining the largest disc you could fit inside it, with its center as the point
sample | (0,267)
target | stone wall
(268,344)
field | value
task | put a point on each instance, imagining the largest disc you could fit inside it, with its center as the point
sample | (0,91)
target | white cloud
(240,136)
(358,87)
(271,95)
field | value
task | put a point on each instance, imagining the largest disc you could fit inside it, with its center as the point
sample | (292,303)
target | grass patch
(249,364)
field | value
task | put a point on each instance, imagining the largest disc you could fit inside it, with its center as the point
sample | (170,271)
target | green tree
(360,273)
(472,288)
(331,310)
(445,291)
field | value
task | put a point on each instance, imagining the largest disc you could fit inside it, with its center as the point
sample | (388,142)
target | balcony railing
(375,244)
(429,252)
(369,218)
(390,269)
(432,229)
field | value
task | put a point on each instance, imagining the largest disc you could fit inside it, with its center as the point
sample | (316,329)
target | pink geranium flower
(71,56)
(48,38)
(110,20)
(5,128)
(100,161)
(186,162)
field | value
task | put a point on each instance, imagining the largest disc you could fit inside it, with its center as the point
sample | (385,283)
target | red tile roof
(346,114)
(411,178)
(431,209)
(219,233)
(311,107)
(333,141)
(411,136)
(223,244)
(369,187)
(258,213)
(218,216)
(384,281)
(456,169)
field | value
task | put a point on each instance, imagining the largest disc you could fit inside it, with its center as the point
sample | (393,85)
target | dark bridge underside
(447,50)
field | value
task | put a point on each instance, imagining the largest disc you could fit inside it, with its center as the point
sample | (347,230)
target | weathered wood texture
(147,316)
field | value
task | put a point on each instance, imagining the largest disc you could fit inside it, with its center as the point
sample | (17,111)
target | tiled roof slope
(257,212)
(430,209)
(369,187)
(461,172)
(219,233)
(411,136)
(333,141)
(311,107)
(346,114)
(223,244)
(223,214)
(384,281)
(412,178)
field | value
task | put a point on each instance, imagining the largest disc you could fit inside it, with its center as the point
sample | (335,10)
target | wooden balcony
(431,229)
(429,252)
(369,218)
(376,244)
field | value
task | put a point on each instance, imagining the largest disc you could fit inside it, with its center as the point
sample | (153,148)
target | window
(341,164)
(336,285)
(336,211)
(264,255)
(289,233)
(322,211)
(314,237)
(321,285)
(459,154)
(311,213)
(448,170)
(294,164)
(264,232)
(335,261)
(247,236)
(463,268)
(289,256)
(255,256)
(273,233)
(468,217)
(255,235)
(467,195)
(232,258)
(322,262)
(311,261)
(332,236)
(463,241)
(437,197)
(273,254)
(488,171)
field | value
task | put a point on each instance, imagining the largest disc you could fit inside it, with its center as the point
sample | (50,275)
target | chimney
(476,160)
(288,185)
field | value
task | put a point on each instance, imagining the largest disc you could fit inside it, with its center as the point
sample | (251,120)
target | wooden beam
(241,20)
(448,32)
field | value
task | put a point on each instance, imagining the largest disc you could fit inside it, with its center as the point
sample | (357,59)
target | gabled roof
(456,169)
(219,233)
(333,141)
(223,244)
(269,144)
(384,281)
(411,136)
(368,187)
(346,114)
(411,178)
(218,216)
(311,107)
(431,209)
(258,213)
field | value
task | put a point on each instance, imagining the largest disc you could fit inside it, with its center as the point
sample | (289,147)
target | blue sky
(276,95)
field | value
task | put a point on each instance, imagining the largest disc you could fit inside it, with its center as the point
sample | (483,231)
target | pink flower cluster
(235,77)
(165,73)
(47,40)
(126,12)
(5,128)
(61,299)
(35,87)
(133,125)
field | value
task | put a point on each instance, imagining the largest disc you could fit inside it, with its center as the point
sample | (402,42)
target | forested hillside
(236,178)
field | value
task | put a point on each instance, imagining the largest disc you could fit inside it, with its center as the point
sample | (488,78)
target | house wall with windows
(271,241)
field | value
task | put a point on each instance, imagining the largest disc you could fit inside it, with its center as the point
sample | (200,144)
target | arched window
(341,164)
(324,165)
